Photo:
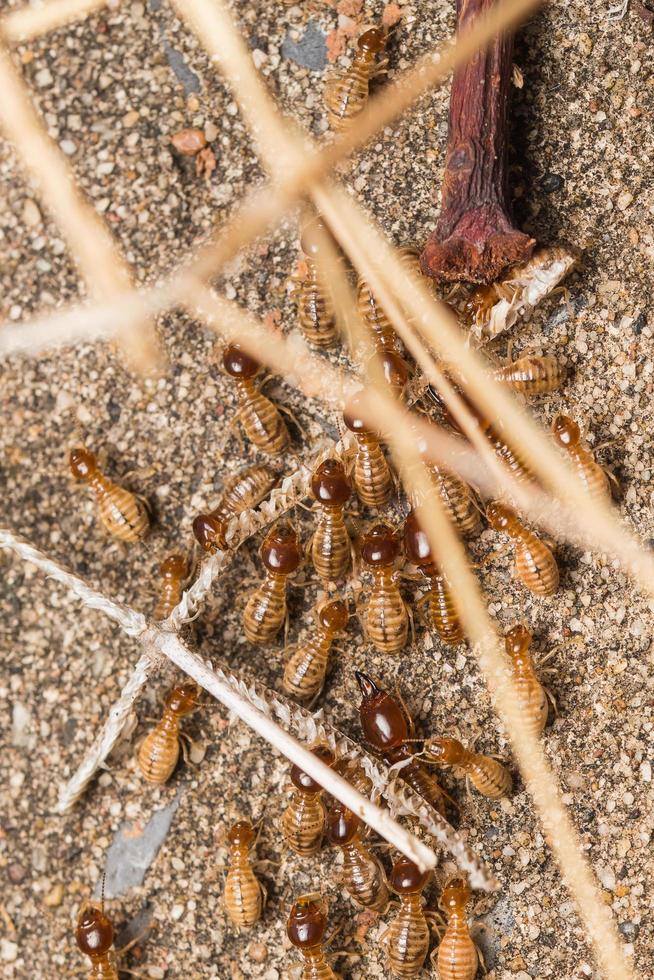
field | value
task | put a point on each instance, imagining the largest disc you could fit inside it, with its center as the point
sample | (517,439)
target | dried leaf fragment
(188,142)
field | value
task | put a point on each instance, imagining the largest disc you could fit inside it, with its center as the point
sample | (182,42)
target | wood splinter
(475,238)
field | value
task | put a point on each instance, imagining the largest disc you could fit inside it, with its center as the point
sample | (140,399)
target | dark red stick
(475,239)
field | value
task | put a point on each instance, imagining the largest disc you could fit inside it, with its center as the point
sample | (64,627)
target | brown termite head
(380,547)
(241,834)
(566,431)
(94,934)
(209,532)
(330,485)
(500,516)
(383,721)
(372,41)
(353,417)
(517,641)
(342,825)
(302,781)
(307,922)
(280,551)
(448,751)
(407,878)
(182,699)
(174,567)
(333,616)
(238,364)
(416,543)
(315,236)
(83,463)
(395,370)
(456,895)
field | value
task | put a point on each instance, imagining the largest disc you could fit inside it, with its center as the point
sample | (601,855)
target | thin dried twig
(28,22)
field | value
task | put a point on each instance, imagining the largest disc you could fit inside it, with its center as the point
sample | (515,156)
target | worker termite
(306,927)
(457,957)
(532,374)
(388,729)
(372,475)
(243,891)
(260,419)
(534,562)
(94,936)
(495,434)
(531,695)
(568,435)
(487,775)
(407,938)
(303,821)
(304,674)
(265,610)
(442,610)
(174,571)
(159,751)
(346,93)
(331,547)
(373,314)
(363,876)
(315,305)
(123,513)
(241,492)
(385,615)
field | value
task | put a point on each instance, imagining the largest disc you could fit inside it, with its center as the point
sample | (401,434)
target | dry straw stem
(92,246)
(29,22)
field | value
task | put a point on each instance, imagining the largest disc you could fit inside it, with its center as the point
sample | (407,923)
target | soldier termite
(363,876)
(306,927)
(487,775)
(372,475)
(123,513)
(174,572)
(260,419)
(407,939)
(388,730)
(243,891)
(304,674)
(532,374)
(316,312)
(568,435)
(535,564)
(385,615)
(531,695)
(241,492)
(331,547)
(159,751)
(346,93)
(442,610)
(303,821)
(94,936)
(457,957)
(265,610)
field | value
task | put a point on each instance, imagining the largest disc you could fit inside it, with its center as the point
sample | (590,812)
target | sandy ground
(113,90)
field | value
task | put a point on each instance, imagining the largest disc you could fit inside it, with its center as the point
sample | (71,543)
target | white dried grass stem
(30,21)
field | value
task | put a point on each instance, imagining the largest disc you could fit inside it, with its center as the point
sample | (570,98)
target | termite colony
(366,541)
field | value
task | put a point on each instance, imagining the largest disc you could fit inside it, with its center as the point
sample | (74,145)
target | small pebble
(16,872)
(8,951)
(68,147)
(31,213)
(55,896)
(43,78)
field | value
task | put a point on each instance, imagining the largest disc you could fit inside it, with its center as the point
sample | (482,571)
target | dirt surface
(113,90)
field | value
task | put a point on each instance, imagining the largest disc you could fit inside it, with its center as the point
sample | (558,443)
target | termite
(458,499)
(457,957)
(442,610)
(531,695)
(388,730)
(265,610)
(407,938)
(519,468)
(385,615)
(260,419)
(243,891)
(174,572)
(159,751)
(303,821)
(487,775)
(372,313)
(331,547)
(123,513)
(363,876)
(315,306)
(94,936)
(568,435)
(532,374)
(346,93)
(304,674)
(534,562)
(394,370)
(306,927)
(241,492)
(372,474)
